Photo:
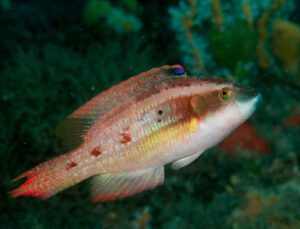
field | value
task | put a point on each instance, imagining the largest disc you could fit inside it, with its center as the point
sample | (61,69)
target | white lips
(248,107)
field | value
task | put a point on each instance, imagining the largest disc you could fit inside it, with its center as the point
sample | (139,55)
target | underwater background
(56,55)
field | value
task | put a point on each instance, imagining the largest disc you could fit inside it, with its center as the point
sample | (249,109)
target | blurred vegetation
(56,56)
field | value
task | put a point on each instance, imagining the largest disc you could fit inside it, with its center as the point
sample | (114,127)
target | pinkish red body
(127,134)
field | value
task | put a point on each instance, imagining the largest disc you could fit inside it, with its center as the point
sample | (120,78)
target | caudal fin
(51,177)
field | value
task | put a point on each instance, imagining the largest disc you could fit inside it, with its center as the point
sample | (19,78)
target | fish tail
(49,178)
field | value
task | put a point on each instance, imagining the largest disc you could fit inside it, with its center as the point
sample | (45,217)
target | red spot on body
(96,152)
(125,138)
(71,165)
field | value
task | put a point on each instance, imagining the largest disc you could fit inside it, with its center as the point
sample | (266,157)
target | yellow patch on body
(150,148)
(194,124)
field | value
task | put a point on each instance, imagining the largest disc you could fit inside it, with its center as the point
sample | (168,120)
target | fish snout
(247,99)
(248,95)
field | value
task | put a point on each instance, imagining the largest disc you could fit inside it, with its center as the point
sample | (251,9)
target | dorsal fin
(125,90)
(73,129)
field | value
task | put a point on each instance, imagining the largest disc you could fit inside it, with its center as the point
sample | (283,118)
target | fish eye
(226,93)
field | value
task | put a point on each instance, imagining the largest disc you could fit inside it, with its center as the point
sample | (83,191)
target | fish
(123,138)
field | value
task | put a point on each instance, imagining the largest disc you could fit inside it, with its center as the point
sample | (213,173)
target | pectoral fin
(185,161)
(107,187)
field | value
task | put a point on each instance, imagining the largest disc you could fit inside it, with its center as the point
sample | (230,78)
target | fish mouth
(247,94)
(248,99)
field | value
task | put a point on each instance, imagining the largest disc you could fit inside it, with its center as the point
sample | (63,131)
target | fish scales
(143,147)
(104,102)
(172,95)
(128,133)
(125,115)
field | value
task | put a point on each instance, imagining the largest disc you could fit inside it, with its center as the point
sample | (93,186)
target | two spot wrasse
(123,137)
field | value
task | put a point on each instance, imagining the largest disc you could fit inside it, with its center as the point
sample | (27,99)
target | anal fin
(185,161)
(107,187)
